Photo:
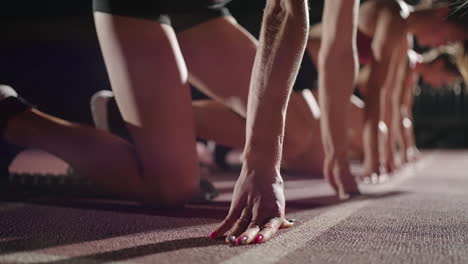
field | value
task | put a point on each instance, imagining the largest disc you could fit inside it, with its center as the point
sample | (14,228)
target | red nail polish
(214,235)
(258,239)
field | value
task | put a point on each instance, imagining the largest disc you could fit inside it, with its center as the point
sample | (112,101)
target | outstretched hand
(257,209)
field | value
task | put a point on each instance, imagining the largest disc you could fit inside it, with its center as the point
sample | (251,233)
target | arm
(258,196)
(396,104)
(411,151)
(387,36)
(337,73)
(391,105)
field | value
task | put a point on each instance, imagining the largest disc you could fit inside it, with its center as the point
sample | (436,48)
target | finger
(252,231)
(268,230)
(249,235)
(225,226)
(239,226)
(287,223)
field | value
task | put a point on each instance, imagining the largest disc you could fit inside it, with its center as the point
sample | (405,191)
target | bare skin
(462,58)
(303,145)
(230,85)
(432,72)
(404,120)
(209,112)
(137,175)
(384,23)
(337,54)
(232,132)
(147,92)
(260,185)
(148,82)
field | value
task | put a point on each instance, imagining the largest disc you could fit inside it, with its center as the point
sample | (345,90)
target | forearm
(407,110)
(337,73)
(390,105)
(281,47)
(394,95)
(411,81)
(373,112)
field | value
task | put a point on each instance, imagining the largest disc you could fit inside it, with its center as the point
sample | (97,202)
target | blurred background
(49,52)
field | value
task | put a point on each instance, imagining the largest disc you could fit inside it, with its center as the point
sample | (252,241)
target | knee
(294,145)
(171,193)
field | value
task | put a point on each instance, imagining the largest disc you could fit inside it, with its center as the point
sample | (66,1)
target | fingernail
(292,220)
(231,239)
(213,235)
(242,240)
(258,239)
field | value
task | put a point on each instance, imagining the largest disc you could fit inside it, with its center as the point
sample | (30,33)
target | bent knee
(170,193)
(294,146)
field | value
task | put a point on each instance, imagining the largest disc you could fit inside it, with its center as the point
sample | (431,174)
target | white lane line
(281,246)
(268,253)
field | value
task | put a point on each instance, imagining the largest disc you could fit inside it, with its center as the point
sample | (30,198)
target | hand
(257,209)
(337,173)
(413,154)
(373,169)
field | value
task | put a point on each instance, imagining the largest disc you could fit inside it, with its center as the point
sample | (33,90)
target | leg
(91,152)
(310,157)
(149,77)
(219,55)
(149,170)
(215,121)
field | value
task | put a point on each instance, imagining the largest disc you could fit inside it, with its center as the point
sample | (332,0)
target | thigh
(219,56)
(149,78)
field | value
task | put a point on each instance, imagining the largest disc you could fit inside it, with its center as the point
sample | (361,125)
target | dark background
(50,54)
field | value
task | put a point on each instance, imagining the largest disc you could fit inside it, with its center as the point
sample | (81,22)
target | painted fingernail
(231,239)
(258,239)
(292,220)
(214,235)
(242,240)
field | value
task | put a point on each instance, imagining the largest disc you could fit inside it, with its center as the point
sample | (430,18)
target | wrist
(266,170)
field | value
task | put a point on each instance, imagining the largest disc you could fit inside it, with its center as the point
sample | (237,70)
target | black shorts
(180,14)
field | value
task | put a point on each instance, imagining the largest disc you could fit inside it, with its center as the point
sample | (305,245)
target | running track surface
(419,215)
